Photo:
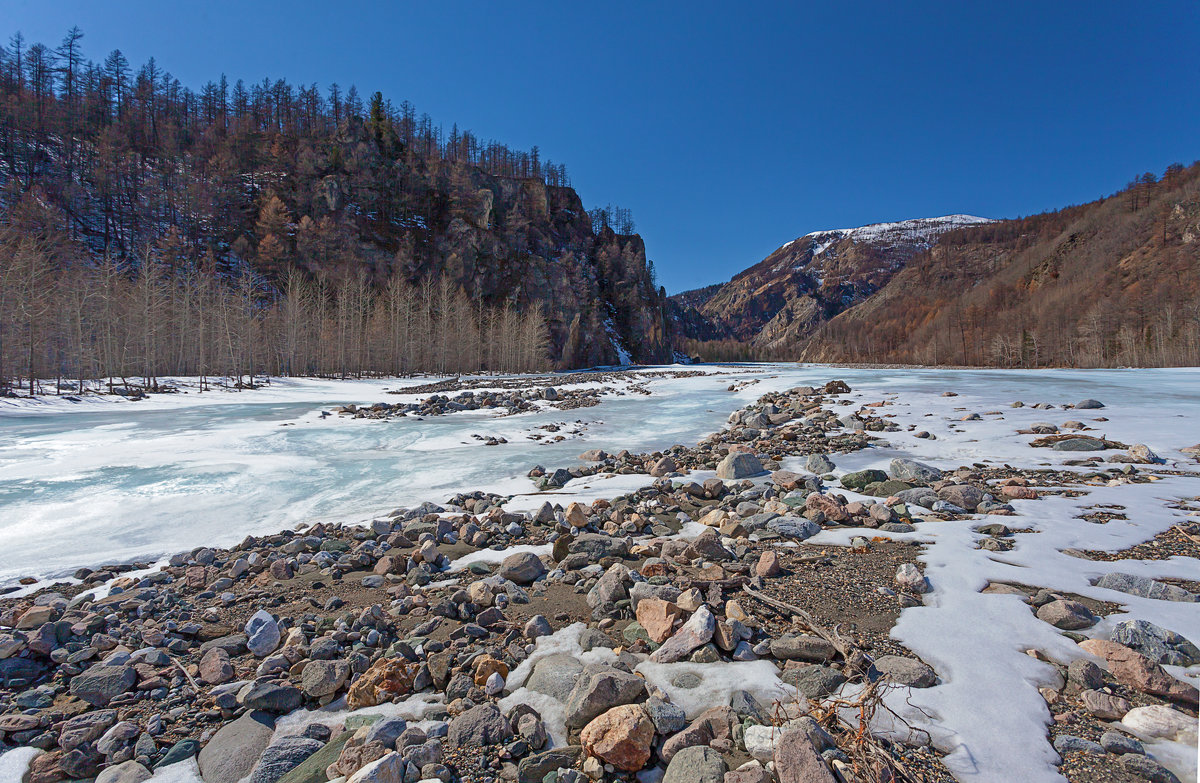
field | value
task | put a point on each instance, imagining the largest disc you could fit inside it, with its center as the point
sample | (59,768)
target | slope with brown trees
(1109,283)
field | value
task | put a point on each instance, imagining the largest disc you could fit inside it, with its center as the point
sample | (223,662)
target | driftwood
(841,643)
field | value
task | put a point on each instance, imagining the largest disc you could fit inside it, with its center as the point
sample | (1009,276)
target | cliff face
(780,301)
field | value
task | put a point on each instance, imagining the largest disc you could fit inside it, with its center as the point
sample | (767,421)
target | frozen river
(101,481)
(98,482)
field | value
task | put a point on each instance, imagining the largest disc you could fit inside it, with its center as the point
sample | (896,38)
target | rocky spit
(463,642)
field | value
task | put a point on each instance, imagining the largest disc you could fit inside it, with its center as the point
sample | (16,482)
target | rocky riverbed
(734,619)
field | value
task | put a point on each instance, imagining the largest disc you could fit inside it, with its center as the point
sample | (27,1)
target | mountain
(1112,282)
(784,298)
(272,179)
(1108,283)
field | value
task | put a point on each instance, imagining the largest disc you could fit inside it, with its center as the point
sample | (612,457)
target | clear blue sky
(727,128)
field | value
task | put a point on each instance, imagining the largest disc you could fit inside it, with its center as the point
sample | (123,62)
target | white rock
(1159,721)
(910,578)
(262,633)
(760,742)
(696,631)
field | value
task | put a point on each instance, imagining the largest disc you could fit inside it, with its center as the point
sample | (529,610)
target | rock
(760,741)
(698,630)
(621,736)
(768,564)
(912,472)
(555,675)
(597,546)
(324,678)
(100,684)
(739,465)
(536,767)
(386,679)
(180,751)
(1067,615)
(1142,453)
(1118,743)
(1144,587)
(961,495)
(796,647)
(599,689)
(797,528)
(1104,706)
(1069,743)
(1079,444)
(797,761)
(663,467)
(125,772)
(523,568)
(910,579)
(282,757)
(905,671)
(1148,769)
(815,682)
(1159,721)
(819,464)
(388,769)
(215,667)
(270,696)
(312,769)
(611,587)
(697,764)
(1135,670)
(1084,675)
(1089,404)
(1155,642)
(859,479)
(828,505)
(234,750)
(262,634)
(481,725)
(658,618)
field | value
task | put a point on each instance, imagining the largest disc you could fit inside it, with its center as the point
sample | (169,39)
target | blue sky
(731,129)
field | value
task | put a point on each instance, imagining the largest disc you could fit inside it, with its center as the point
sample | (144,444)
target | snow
(914,231)
(112,481)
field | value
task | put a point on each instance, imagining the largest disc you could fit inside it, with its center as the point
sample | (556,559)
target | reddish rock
(663,467)
(215,667)
(1135,670)
(797,761)
(386,679)
(621,737)
(1018,492)
(768,564)
(833,510)
(658,617)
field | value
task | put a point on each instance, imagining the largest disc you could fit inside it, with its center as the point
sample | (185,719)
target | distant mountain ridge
(805,282)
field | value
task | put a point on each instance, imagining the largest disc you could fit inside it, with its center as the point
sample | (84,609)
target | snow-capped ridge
(914,230)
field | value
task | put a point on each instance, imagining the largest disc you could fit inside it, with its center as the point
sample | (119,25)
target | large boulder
(621,736)
(698,630)
(555,675)
(739,465)
(284,756)
(102,683)
(913,472)
(234,750)
(599,689)
(797,761)
(481,725)
(698,764)
(522,568)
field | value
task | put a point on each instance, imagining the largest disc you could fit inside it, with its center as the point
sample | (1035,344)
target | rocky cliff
(783,299)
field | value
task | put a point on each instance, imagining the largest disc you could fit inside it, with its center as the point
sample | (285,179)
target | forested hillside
(254,191)
(1113,282)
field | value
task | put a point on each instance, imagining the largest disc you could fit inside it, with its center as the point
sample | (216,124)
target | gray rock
(1120,744)
(102,683)
(126,772)
(641,590)
(913,472)
(481,725)
(698,630)
(555,675)
(1084,674)
(234,750)
(282,757)
(1155,642)
(797,528)
(270,696)
(1069,743)
(961,495)
(534,768)
(859,479)
(905,671)
(797,647)
(819,464)
(1089,404)
(910,579)
(611,587)
(816,681)
(597,546)
(668,718)
(918,496)
(697,764)
(180,751)
(1148,769)
(323,678)
(739,465)
(1145,587)
(599,689)
(1079,444)
(523,568)
(262,634)
(386,731)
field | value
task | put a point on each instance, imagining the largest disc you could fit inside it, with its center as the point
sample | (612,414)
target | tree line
(70,326)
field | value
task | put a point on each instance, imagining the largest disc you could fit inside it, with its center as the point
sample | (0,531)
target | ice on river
(111,483)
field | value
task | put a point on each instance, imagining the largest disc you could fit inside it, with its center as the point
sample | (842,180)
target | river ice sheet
(123,481)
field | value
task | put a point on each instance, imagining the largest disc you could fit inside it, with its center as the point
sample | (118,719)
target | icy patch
(496,556)
(717,683)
